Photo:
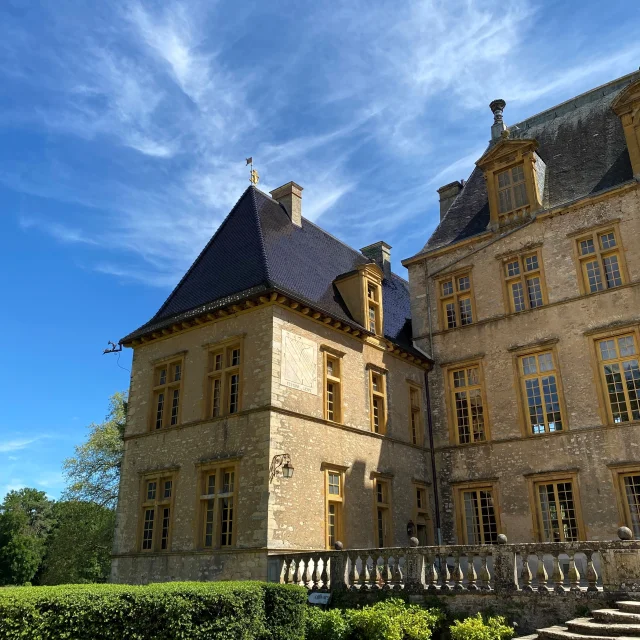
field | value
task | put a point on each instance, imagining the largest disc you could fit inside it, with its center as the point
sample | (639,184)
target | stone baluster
(445,576)
(375,573)
(485,576)
(365,578)
(386,572)
(457,574)
(430,573)
(326,573)
(316,575)
(286,571)
(525,576)
(592,574)
(472,576)
(541,574)
(558,575)
(574,574)
(354,576)
(398,577)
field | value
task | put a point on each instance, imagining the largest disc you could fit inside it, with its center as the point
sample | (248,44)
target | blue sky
(123,132)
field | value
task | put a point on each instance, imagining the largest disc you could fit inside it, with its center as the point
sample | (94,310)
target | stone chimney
(380,253)
(498,126)
(448,194)
(290,197)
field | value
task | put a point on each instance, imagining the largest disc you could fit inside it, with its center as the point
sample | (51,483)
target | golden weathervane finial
(254,178)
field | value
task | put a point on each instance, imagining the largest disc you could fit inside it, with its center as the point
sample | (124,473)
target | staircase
(623,622)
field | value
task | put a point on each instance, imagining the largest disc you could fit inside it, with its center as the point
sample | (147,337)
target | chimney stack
(448,194)
(380,253)
(290,197)
(498,126)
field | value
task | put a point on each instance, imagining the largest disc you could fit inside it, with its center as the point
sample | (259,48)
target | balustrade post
(591,574)
(558,575)
(504,567)
(413,571)
(336,570)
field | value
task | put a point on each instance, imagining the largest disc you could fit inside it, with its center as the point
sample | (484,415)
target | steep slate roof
(583,145)
(257,249)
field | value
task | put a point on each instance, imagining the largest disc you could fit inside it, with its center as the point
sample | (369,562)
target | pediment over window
(627,107)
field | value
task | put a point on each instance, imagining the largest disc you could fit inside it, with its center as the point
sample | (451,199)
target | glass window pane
(447,288)
(632,493)
(534,291)
(464,283)
(517,294)
(529,365)
(513,268)
(607,349)
(594,276)
(612,271)
(466,316)
(531,263)
(607,240)
(587,247)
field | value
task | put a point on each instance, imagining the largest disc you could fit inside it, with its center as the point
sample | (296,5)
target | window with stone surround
(218,494)
(157,507)
(421,516)
(224,378)
(600,259)
(524,281)
(334,501)
(378,400)
(476,513)
(382,503)
(416,426)
(332,387)
(374,301)
(456,300)
(466,404)
(511,189)
(167,393)
(627,482)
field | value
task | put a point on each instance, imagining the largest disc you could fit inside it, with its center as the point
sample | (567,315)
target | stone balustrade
(549,568)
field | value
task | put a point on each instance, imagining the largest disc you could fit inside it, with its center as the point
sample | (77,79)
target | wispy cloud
(18,443)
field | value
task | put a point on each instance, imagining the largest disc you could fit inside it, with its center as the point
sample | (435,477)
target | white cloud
(18,443)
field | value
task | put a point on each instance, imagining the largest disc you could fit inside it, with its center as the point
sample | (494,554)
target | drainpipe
(434,475)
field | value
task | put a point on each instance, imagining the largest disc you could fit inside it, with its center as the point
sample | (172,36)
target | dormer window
(512,191)
(361,291)
(373,308)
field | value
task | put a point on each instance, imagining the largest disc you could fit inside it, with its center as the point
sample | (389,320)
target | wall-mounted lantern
(281,462)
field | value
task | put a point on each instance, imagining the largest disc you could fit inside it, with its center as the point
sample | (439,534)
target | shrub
(475,628)
(326,625)
(169,611)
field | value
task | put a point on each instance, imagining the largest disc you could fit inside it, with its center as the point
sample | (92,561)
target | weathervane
(254,178)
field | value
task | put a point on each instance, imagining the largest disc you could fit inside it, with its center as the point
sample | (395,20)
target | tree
(26,518)
(93,473)
(79,547)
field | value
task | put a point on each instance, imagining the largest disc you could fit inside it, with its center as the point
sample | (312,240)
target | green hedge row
(168,611)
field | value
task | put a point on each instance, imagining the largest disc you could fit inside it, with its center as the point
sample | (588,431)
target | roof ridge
(263,248)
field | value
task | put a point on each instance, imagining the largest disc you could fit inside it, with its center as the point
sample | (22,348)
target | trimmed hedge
(167,611)
(475,628)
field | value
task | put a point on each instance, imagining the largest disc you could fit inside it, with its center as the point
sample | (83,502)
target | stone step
(562,633)
(631,606)
(615,616)
(533,636)
(590,627)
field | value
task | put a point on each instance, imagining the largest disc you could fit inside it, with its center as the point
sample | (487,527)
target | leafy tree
(26,518)
(93,472)
(79,547)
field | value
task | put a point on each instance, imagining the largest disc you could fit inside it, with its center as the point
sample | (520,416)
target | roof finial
(254,178)
(497,107)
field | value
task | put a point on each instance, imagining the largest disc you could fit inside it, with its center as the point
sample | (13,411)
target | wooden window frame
(373,304)
(156,504)
(554,477)
(422,511)
(386,507)
(337,386)
(604,404)
(166,388)
(511,189)
(620,472)
(218,469)
(627,106)
(460,511)
(416,414)
(522,278)
(523,405)
(337,500)
(381,397)
(450,390)
(223,376)
(599,255)
(454,297)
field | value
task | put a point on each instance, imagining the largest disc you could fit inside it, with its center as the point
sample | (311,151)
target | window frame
(204,470)
(416,410)
(522,278)
(520,377)
(338,415)
(225,349)
(460,512)
(336,499)
(599,254)
(554,477)
(526,207)
(450,401)
(157,387)
(604,404)
(158,503)
(387,508)
(374,304)
(381,396)
(620,472)
(422,511)
(455,296)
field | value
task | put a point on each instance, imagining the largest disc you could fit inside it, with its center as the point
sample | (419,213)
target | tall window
(167,390)
(224,377)
(467,404)
(334,492)
(618,364)
(333,391)
(374,316)
(382,498)
(378,401)
(416,431)
(557,511)
(541,392)
(512,191)
(477,515)
(628,481)
(218,505)
(523,279)
(421,514)
(157,504)
(600,261)
(456,301)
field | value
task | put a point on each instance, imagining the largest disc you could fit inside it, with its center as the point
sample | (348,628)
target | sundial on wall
(299,363)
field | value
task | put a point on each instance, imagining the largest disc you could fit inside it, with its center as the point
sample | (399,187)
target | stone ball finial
(338,546)
(497,107)
(502,539)
(624,533)
(413,541)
